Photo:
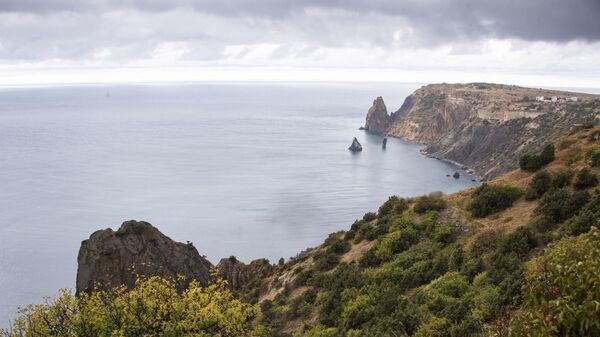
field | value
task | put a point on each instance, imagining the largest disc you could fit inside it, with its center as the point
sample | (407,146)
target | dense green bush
(594,157)
(433,202)
(588,216)
(153,308)
(560,204)
(562,178)
(530,162)
(489,199)
(370,216)
(547,156)
(325,260)
(533,162)
(563,290)
(539,184)
(394,205)
(585,178)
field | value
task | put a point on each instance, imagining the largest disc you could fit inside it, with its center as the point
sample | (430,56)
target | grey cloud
(548,20)
(131,29)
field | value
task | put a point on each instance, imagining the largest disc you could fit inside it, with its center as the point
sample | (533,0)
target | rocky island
(485,127)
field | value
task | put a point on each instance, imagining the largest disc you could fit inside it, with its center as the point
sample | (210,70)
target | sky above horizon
(533,42)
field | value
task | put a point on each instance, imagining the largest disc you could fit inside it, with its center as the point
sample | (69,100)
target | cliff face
(378,120)
(110,258)
(486,127)
(238,274)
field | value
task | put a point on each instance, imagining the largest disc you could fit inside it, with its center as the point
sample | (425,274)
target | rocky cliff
(485,127)
(238,274)
(112,258)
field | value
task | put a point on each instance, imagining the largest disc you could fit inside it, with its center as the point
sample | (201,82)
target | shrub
(443,235)
(559,204)
(394,205)
(585,178)
(562,290)
(594,157)
(530,162)
(153,308)
(547,155)
(562,178)
(533,162)
(325,260)
(429,203)
(489,199)
(539,184)
(370,216)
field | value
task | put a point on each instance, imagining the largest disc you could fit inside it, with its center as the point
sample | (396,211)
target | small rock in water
(456,175)
(384,143)
(362,128)
(355,147)
(447,175)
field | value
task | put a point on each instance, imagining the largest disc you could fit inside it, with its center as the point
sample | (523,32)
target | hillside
(485,127)
(457,265)
(517,256)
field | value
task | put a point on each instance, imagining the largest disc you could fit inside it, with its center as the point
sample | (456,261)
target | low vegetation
(534,162)
(514,257)
(153,308)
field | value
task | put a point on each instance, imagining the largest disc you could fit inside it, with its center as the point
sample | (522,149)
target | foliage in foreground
(152,308)
(563,290)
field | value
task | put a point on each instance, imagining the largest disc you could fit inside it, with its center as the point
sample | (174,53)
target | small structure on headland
(384,143)
(355,147)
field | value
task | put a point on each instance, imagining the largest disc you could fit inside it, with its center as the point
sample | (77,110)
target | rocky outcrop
(238,274)
(112,258)
(384,143)
(485,127)
(355,146)
(377,120)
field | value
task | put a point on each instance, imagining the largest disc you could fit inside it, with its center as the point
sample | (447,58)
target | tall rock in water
(110,258)
(237,274)
(355,146)
(378,120)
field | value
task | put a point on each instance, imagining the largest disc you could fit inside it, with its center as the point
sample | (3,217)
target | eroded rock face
(485,127)
(355,146)
(110,258)
(238,274)
(378,120)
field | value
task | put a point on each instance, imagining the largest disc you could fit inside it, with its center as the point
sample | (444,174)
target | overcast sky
(530,42)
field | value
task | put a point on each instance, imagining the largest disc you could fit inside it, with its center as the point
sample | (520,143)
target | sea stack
(384,143)
(456,175)
(355,147)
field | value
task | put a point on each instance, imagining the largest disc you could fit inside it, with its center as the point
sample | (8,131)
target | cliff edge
(485,127)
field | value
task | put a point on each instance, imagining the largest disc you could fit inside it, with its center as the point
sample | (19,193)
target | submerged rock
(109,259)
(384,143)
(456,175)
(355,147)
(238,274)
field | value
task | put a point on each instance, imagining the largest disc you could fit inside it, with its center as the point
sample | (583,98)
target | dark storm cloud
(547,20)
(132,29)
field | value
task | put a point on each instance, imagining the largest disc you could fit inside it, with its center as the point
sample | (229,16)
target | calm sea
(251,170)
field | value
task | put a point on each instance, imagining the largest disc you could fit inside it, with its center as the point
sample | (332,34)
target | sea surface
(251,170)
